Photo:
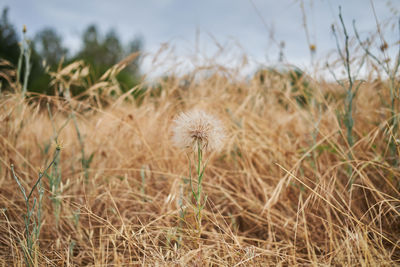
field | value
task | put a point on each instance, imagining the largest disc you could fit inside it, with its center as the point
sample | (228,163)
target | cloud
(246,22)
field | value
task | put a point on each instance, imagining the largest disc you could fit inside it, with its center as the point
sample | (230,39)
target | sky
(220,31)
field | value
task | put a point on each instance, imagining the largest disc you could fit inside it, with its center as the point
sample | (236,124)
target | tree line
(98,51)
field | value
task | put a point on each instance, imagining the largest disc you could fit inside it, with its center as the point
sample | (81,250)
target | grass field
(289,187)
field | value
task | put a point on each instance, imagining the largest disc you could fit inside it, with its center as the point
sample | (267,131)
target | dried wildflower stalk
(197,132)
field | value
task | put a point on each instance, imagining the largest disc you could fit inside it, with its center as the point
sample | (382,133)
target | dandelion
(197,129)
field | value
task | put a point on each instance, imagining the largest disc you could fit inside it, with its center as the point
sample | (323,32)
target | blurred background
(251,34)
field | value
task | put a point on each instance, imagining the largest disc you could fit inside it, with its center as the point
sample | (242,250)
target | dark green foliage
(47,51)
(9,48)
(48,45)
(10,51)
(102,52)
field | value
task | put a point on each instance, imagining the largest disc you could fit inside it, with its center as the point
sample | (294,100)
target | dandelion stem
(199,178)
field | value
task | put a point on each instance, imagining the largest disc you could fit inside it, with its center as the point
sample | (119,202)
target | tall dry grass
(286,190)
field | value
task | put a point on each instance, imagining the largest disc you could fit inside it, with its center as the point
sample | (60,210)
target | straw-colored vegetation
(287,188)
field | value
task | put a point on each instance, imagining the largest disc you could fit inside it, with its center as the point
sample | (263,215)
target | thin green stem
(27,53)
(190,179)
(84,161)
(41,174)
(199,179)
(21,55)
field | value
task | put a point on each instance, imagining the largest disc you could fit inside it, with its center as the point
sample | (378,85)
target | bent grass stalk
(32,232)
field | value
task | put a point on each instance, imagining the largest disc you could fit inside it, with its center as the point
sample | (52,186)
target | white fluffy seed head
(197,127)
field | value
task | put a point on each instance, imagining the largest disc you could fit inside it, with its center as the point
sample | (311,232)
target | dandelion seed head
(197,127)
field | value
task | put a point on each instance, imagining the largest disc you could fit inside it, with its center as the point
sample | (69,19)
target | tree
(9,51)
(101,53)
(48,44)
(98,51)
(9,48)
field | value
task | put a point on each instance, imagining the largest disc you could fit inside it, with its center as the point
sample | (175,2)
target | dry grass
(276,195)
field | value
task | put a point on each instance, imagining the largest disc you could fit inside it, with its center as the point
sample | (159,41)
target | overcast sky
(239,26)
